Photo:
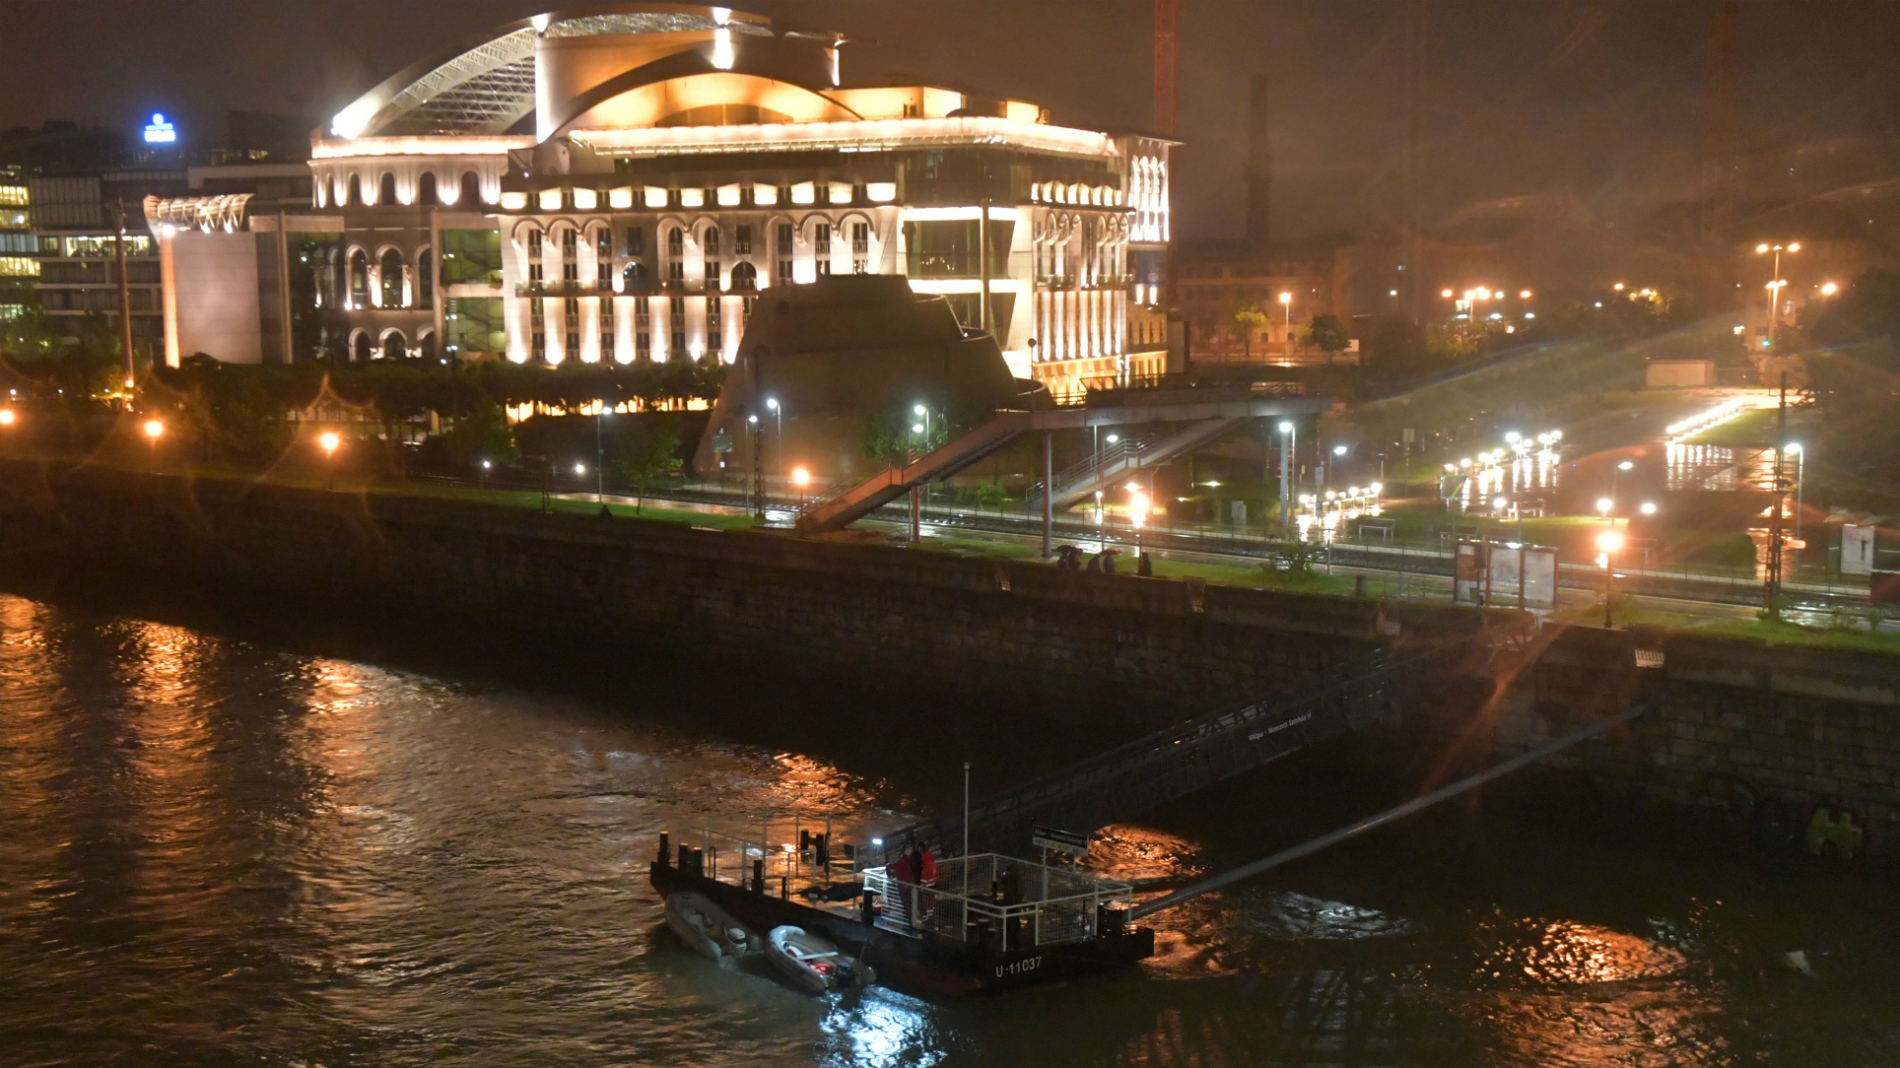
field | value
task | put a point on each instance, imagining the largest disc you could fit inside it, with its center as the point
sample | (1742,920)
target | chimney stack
(1259,164)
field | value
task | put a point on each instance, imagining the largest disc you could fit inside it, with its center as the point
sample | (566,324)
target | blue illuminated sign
(158,131)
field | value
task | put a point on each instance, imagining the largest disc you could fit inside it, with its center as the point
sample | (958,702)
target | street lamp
(600,455)
(1828,289)
(1604,504)
(6,417)
(1626,465)
(778,431)
(1649,508)
(1286,302)
(1800,471)
(153,431)
(1609,543)
(1775,283)
(1292,435)
(801,478)
(328,441)
(482,479)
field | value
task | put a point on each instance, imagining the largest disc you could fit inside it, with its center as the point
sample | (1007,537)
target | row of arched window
(391,345)
(427,191)
(391,279)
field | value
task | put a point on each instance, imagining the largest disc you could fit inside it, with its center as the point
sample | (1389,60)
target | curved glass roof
(489,87)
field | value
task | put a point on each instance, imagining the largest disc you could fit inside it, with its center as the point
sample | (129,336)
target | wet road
(217,851)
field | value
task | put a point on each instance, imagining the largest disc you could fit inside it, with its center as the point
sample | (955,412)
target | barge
(985,923)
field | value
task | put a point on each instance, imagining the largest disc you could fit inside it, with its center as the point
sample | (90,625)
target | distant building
(618,183)
(63,188)
(19,265)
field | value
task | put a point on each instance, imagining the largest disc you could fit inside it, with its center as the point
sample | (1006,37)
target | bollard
(686,857)
(699,863)
(784,887)
(666,855)
(758,876)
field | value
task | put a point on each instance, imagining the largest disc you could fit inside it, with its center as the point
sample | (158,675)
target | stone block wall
(1754,737)
(1129,651)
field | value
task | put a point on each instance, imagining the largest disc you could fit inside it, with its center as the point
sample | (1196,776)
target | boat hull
(680,906)
(925,966)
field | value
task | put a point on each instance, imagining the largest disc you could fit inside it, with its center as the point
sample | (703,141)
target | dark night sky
(1599,99)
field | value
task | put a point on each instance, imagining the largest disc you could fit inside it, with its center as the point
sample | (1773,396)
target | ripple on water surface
(222,853)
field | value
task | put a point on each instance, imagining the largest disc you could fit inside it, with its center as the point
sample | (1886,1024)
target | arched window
(356,190)
(675,242)
(425,279)
(711,241)
(386,193)
(471,189)
(334,192)
(425,189)
(394,346)
(359,278)
(745,277)
(425,346)
(362,346)
(391,269)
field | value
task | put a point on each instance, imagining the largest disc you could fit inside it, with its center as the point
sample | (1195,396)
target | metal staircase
(886,486)
(1181,760)
(1081,479)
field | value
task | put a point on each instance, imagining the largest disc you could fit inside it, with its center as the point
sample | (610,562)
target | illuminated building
(619,183)
(18,265)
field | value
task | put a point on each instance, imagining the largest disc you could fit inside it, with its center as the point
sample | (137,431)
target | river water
(260,851)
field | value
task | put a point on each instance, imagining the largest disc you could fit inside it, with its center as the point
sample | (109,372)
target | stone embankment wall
(1742,742)
(1740,739)
(1136,652)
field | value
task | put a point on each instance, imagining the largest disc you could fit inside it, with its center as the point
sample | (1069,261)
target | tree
(1328,333)
(481,434)
(28,336)
(1870,308)
(1248,318)
(645,450)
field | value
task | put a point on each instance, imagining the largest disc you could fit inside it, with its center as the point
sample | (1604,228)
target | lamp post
(1800,473)
(778,433)
(801,478)
(916,491)
(1286,302)
(328,441)
(1775,283)
(1338,451)
(1620,468)
(923,412)
(600,456)
(758,471)
(1291,433)
(1609,543)
(482,479)
(154,429)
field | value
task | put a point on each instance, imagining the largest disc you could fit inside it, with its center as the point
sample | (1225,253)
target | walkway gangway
(1184,759)
(1189,402)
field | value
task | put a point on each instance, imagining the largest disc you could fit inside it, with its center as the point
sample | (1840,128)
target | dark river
(287,851)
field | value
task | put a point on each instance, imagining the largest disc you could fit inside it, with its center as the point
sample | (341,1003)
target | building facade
(619,184)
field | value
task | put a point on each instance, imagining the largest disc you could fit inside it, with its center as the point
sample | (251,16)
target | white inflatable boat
(707,929)
(812,962)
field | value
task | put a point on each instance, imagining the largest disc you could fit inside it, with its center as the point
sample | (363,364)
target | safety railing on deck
(999,900)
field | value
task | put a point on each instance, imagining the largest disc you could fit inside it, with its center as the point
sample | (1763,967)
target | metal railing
(997,899)
(1179,760)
